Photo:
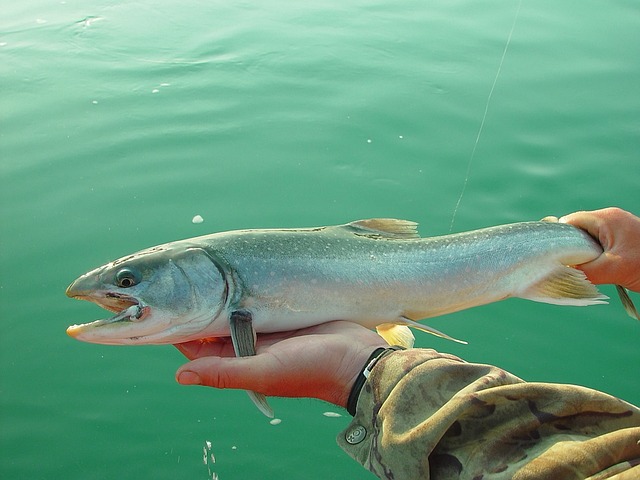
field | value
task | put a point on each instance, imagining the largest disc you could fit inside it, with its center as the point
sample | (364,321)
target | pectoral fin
(628,305)
(243,337)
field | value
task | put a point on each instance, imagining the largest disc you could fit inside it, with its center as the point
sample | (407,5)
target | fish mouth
(128,309)
(112,301)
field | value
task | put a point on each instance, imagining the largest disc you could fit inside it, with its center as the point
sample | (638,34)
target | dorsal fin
(385,228)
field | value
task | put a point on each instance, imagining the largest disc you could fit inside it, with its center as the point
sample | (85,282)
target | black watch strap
(377,354)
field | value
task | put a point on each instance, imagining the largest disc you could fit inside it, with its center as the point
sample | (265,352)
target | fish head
(161,295)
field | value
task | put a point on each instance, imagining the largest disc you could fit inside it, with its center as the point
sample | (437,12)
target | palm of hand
(318,362)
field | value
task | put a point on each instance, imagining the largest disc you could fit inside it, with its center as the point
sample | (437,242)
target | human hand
(618,231)
(322,362)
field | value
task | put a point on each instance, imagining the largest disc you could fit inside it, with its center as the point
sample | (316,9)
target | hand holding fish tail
(618,231)
(321,362)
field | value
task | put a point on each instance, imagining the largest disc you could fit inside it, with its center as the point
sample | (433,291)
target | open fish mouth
(112,301)
(126,308)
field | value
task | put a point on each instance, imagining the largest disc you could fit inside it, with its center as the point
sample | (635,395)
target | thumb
(591,224)
(246,373)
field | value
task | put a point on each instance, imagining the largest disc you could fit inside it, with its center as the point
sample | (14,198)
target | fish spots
(122,260)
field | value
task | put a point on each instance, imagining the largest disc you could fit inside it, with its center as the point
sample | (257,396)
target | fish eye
(126,277)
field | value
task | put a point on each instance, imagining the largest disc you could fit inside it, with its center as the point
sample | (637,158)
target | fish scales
(306,276)
(371,272)
(375,272)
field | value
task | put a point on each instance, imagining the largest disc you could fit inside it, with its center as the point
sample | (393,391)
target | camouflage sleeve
(426,415)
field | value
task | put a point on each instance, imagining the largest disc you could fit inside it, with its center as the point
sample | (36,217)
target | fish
(376,272)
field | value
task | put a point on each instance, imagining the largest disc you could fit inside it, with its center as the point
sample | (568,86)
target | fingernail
(188,377)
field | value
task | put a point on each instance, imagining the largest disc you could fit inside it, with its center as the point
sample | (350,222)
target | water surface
(120,121)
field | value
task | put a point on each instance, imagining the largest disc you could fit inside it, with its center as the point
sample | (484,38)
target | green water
(120,121)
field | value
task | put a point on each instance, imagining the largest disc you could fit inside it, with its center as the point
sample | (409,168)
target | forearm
(425,415)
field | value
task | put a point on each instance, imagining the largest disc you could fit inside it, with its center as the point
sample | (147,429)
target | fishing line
(484,116)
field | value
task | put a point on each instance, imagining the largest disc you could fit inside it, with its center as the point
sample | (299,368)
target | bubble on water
(155,90)
(88,21)
(197,219)
(208,454)
(332,414)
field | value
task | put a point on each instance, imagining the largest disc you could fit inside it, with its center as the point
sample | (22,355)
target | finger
(246,373)
(205,348)
(586,221)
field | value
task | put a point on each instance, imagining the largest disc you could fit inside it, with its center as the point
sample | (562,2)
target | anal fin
(243,337)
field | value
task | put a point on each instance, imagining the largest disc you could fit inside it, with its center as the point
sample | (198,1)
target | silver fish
(377,272)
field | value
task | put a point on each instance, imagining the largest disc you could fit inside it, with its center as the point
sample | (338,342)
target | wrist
(362,377)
